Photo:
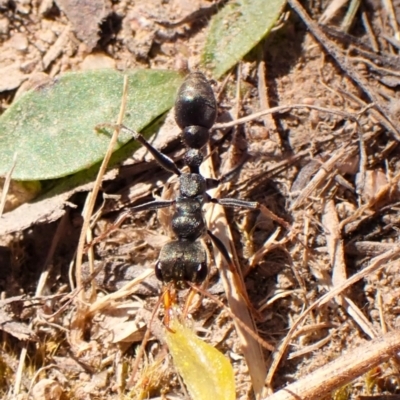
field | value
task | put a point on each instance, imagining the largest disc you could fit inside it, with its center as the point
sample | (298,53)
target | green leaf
(236,29)
(206,372)
(52,128)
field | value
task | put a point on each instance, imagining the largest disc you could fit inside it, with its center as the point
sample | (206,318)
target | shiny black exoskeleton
(184,259)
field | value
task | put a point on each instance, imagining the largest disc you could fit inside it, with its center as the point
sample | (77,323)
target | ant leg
(152,205)
(251,205)
(239,284)
(229,202)
(164,161)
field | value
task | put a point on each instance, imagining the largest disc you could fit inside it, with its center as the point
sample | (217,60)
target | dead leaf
(9,320)
(12,77)
(85,18)
(48,208)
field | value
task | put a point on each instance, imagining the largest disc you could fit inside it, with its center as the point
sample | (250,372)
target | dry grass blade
(387,259)
(93,195)
(332,10)
(388,4)
(252,350)
(334,240)
(268,121)
(311,348)
(350,15)
(283,109)
(123,292)
(79,319)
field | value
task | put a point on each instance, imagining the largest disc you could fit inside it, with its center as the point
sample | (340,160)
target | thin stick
(388,4)
(281,109)
(97,184)
(6,186)
(320,383)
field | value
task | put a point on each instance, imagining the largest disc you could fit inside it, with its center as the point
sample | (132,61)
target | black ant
(183,262)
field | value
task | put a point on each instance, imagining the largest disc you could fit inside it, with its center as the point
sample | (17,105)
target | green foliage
(51,129)
(236,29)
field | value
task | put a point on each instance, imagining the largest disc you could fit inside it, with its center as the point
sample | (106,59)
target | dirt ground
(328,172)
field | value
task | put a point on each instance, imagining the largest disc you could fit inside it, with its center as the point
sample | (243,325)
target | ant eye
(158,271)
(201,273)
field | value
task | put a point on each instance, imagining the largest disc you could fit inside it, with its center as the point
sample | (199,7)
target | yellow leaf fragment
(206,372)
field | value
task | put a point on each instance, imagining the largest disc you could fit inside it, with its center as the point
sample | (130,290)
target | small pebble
(4,26)
(46,35)
(47,389)
(24,9)
(41,46)
(45,7)
(19,42)
(12,77)
(97,61)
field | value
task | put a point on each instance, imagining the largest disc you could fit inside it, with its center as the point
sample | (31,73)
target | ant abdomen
(195,104)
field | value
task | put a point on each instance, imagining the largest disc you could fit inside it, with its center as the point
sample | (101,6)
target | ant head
(182,261)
